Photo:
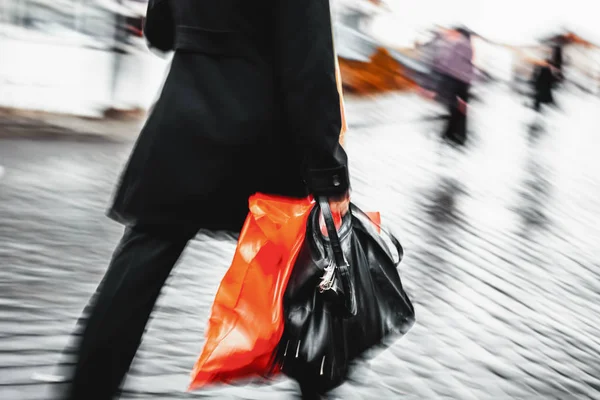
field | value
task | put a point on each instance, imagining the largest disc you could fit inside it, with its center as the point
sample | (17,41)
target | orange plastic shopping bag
(246,321)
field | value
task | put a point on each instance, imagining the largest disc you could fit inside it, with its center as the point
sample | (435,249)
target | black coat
(543,83)
(557,56)
(250,105)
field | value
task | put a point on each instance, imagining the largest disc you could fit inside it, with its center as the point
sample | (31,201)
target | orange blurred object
(382,73)
(246,322)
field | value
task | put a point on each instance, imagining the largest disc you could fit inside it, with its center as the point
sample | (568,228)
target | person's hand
(462,105)
(340,205)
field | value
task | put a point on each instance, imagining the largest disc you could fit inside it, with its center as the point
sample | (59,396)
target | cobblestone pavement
(502,244)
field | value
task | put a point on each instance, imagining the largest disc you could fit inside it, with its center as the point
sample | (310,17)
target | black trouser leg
(456,126)
(451,123)
(120,311)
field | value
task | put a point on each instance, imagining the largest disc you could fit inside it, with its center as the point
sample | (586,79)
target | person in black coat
(544,80)
(250,104)
(557,60)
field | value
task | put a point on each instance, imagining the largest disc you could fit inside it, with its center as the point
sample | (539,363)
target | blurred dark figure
(453,64)
(250,104)
(557,60)
(545,77)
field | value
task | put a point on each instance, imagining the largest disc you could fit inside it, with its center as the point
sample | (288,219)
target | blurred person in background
(545,77)
(557,59)
(453,65)
(250,104)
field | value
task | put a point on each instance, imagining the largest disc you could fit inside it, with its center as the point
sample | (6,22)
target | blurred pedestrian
(557,59)
(545,77)
(250,104)
(453,64)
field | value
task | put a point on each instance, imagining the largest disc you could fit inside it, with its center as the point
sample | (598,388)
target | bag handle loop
(341,265)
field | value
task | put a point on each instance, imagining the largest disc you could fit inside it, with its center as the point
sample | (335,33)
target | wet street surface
(501,257)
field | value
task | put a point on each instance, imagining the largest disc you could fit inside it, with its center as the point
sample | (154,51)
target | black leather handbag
(344,297)
(159,25)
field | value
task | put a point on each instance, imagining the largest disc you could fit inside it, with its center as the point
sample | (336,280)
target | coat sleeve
(159,28)
(312,107)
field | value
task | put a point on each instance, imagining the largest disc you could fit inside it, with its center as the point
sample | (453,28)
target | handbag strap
(334,238)
(366,222)
(396,244)
(340,261)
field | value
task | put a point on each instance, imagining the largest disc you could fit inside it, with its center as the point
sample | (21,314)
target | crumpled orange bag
(246,321)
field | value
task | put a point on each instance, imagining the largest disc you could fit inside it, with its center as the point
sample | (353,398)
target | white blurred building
(59,61)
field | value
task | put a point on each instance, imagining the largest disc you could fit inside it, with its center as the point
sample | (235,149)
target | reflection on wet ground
(502,244)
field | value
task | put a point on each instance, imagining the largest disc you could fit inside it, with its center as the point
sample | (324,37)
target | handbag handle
(366,222)
(338,255)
